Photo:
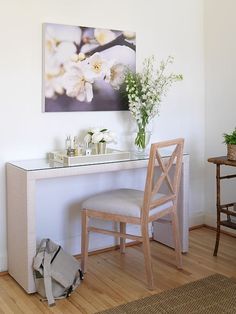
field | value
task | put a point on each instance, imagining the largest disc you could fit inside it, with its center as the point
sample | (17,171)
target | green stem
(140,139)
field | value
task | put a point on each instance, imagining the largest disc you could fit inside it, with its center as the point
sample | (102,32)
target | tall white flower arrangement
(145,91)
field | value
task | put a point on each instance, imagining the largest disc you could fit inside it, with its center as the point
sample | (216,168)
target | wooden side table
(228,208)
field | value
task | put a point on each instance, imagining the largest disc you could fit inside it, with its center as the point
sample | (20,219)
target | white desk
(22,177)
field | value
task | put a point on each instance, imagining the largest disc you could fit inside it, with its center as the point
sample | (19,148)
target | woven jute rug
(215,294)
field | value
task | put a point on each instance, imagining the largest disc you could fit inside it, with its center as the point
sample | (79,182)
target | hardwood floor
(113,279)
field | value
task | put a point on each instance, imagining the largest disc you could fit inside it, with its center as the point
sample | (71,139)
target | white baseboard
(196,219)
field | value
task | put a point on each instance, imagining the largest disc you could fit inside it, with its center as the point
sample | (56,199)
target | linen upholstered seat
(138,207)
(125,202)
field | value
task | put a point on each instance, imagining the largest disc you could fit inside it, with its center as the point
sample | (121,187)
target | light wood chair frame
(152,187)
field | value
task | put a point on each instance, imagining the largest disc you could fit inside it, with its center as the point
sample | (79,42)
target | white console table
(22,178)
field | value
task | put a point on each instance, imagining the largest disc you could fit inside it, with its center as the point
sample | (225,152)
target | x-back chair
(138,207)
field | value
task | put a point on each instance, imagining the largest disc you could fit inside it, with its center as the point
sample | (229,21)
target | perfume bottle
(70,151)
(80,149)
(75,145)
(68,142)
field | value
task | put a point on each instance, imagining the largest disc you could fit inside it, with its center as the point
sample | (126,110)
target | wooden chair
(138,207)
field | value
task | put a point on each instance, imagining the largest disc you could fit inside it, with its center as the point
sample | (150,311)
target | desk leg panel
(20,227)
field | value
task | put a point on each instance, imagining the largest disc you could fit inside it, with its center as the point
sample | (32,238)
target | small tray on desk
(110,156)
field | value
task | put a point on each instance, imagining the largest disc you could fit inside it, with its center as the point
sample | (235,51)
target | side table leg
(218,209)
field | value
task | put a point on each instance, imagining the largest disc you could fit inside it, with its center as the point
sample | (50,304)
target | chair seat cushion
(126,202)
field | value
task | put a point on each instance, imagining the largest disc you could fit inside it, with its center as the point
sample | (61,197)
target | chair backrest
(153,184)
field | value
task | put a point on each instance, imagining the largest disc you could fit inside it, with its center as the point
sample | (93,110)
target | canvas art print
(84,68)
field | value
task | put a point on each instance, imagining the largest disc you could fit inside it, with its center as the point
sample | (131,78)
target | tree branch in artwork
(118,41)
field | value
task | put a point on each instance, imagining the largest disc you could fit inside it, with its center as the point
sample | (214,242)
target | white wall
(163,27)
(220,50)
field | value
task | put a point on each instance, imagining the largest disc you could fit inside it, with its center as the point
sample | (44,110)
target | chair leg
(147,256)
(122,240)
(176,236)
(84,240)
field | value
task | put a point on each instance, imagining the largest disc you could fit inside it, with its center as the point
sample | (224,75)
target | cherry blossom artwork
(84,68)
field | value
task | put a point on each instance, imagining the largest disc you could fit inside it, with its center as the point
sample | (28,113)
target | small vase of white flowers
(145,90)
(98,138)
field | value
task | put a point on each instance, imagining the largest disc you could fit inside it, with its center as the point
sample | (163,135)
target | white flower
(116,75)
(52,67)
(53,78)
(64,52)
(77,85)
(81,56)
(53,86)
(59,48)
(88,138)
(109,137)
(129,34)
(53,81)
(95,130)
(97,66)
(59,42)
(104,36)
(145,89)
(64,33)
(97,137)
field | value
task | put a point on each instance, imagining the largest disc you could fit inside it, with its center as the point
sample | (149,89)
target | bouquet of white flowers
(99,135)
(145,91)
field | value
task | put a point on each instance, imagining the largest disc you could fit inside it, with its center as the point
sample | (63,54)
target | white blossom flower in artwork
(104,36)
(116,75)
(97,67)
(77,84)
(52,67)
(64,51)
(53,84)
(60,43)
(75,58)
(59,47)
(81,56)
(62,33)
(129,35)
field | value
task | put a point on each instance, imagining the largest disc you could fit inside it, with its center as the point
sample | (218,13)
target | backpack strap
(47,276)
(38,259)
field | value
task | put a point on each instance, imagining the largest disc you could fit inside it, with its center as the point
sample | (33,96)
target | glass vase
(141,140)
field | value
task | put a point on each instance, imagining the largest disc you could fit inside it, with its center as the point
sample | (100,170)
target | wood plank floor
(113,279)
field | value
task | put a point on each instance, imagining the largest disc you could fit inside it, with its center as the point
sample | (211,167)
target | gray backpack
(56,272)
